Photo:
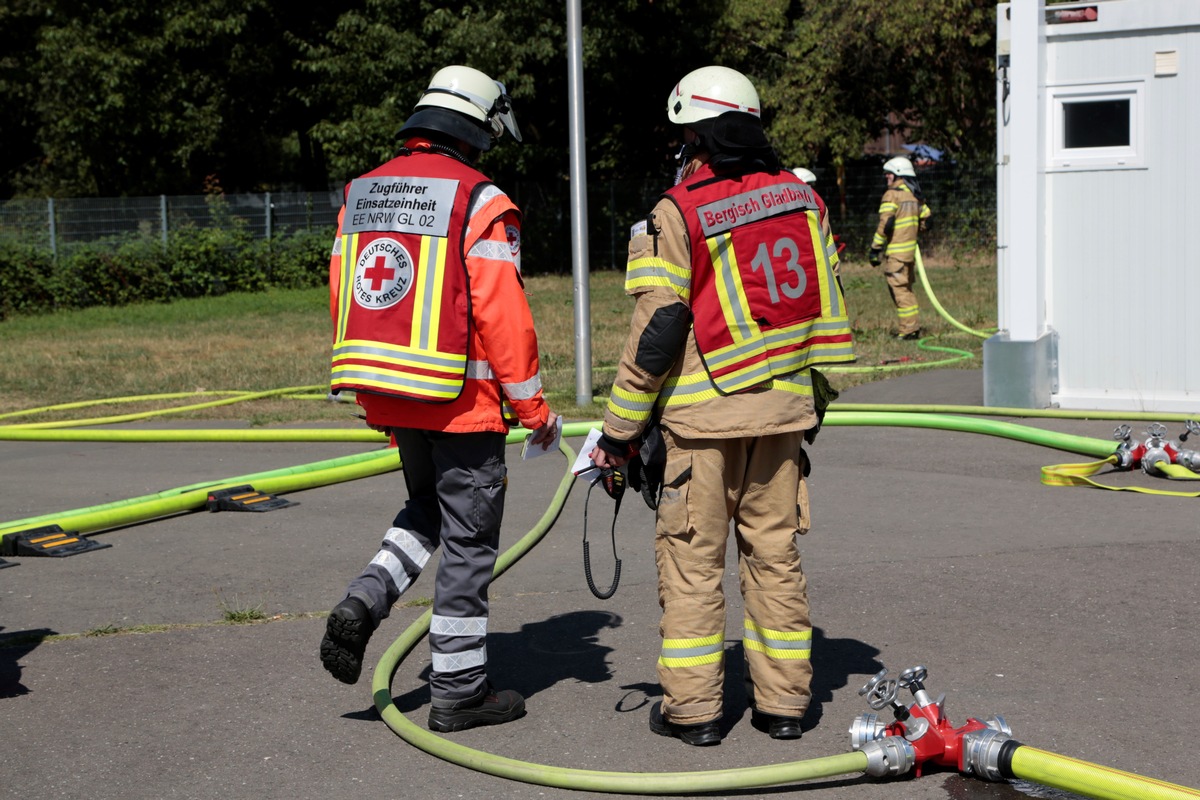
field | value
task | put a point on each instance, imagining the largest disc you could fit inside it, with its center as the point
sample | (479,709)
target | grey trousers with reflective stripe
(456,485)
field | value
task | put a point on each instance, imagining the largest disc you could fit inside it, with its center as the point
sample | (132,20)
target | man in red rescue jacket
(737,297)
(433,334)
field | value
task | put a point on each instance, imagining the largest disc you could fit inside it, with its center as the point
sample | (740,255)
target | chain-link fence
(963,201)
(63,223)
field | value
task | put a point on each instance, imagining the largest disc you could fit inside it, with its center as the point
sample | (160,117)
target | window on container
(1095,126)
(1096,123)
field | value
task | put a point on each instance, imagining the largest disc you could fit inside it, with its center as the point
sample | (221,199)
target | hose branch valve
(1156,451)
(922,724)
(1126,460)
(1189,458)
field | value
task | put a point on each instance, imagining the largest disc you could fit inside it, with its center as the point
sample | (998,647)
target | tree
(839,69)
(19,152)
(372,66)
(145,97)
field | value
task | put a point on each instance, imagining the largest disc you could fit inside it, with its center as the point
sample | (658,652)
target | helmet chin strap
(687,159)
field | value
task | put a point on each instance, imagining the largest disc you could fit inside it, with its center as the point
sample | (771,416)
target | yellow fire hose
(1039,766)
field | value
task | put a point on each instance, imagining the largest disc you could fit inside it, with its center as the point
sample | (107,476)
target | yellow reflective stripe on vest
(346,281)
(698,387)
(781,337)
(692,652)
(379,378)
(401,368)
(750,341)
(347,367)
(642,273)
(790,645)
(831,305)
(399,355)
(732,296)
(430,279)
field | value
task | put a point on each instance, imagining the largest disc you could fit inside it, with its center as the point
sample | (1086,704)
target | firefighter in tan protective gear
(902,213)
(433,334)
(737,297)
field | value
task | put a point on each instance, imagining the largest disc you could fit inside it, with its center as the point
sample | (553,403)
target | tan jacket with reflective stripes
(659,274)
(900,218)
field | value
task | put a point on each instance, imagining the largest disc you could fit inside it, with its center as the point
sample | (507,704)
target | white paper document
(528,452)
(583,461)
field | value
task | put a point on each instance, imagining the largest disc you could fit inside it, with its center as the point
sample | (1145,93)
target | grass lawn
(277,339)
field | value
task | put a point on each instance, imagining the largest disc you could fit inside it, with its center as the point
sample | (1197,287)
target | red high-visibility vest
(403,317)
(766,301)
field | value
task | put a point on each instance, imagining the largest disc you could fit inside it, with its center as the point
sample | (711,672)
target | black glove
(614,447)
(646,467)
(875,256)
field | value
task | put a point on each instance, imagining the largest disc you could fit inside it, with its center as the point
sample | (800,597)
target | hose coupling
(891,755)
(866,728)
(981,750)
(1153,457)
(1190,459)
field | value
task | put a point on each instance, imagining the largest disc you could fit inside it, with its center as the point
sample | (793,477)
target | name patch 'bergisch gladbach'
(752,206)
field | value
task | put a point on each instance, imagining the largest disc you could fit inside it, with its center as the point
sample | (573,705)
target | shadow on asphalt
(566,648)
(13,647)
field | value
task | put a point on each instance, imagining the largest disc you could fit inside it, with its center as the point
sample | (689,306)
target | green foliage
(113,273)
(299,260)
(845,72)
(212,261)
(28,281)
(146,98)
(197,262)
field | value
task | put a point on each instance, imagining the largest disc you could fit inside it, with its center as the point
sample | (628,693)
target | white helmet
(804,175)
(900,166)
(472,95)
(709,92)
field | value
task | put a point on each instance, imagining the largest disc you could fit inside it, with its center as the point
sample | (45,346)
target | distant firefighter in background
(902,213)
(805,175)
(834,243)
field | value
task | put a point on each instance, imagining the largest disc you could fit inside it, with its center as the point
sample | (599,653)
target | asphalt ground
(1071,612)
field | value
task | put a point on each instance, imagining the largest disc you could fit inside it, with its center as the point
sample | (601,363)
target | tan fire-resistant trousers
(899,277)
(757,482)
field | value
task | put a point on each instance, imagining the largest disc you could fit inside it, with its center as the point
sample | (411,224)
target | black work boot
(705,734)
(776,727)
(347,631)
(496,707)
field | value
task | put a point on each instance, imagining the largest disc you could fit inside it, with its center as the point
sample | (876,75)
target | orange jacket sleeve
(499,309)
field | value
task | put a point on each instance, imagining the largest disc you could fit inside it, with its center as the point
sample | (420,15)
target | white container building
(1098,178)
